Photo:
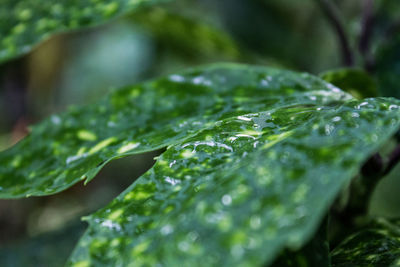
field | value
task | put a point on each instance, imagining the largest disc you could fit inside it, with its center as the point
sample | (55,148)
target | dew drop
(226,200)
(167,229)
(177,78)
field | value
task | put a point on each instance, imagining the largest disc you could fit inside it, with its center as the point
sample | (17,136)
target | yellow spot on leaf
(86,135)
(102,145)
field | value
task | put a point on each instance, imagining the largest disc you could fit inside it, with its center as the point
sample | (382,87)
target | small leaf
(24,23)
(355,81)
(377,245)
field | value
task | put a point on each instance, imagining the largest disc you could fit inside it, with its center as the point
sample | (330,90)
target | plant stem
(333,15)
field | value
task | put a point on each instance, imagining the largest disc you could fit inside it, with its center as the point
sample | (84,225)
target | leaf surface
(75,145)
(24,23)
(377,245)
(255,158)
(240,191)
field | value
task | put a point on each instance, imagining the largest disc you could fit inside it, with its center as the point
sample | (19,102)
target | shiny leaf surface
(75,145)
(24,23)
(255,158)
(377,245)
(240,191)
(245,187)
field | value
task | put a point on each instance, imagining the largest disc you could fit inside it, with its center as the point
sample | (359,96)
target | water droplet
(167,229)
(208,143)
(329,129)
(171,181)
(75,158)
(55,120)
(177,78)
(243,118)
(237,251)
(264,82)
(201,81)
(183,246)
(226,200)
(111,124)
(193,236)
(111,225)
(172,163)
(255,222)
(361,105)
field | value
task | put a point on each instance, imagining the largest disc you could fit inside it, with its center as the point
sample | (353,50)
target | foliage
(376,245)
(25,23)
(256,160)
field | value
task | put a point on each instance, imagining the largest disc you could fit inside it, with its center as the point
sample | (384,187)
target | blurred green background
(80,67)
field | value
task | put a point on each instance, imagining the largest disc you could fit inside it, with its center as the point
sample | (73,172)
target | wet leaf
(75,145)
(240,191)
(255,158)
(355,81)
(24,23)
(377,245)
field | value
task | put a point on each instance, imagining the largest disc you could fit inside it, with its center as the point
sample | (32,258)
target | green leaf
(355,81)
(188,36)
(241,190)
(74,146)
(255,158)
(24,23)
(377,245)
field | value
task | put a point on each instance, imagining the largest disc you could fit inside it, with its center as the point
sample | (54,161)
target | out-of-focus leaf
(74,146)
(187,36)
(377,245)
(314,254)
(24,23)
(355,81)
